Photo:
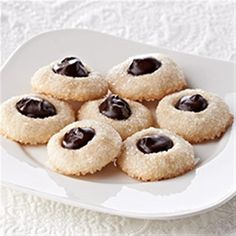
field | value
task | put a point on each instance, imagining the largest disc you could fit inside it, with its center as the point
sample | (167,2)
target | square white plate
(209,185)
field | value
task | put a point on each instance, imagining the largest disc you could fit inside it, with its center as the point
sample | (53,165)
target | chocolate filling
(144,66)
(154,144)
(195,103)
(77,138)
(115,107)
(71,66)
(35,107)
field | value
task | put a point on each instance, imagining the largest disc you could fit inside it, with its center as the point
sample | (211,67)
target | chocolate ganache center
(154,144)
(143,66)
(115,107)
(35,107)
(77,138)
(71,66)
(195,103)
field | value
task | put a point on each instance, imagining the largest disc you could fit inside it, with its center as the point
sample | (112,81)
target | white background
(198,27)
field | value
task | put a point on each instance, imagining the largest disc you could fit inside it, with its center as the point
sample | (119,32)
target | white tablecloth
(198,27)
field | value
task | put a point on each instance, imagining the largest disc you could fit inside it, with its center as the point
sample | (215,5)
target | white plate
(209,185)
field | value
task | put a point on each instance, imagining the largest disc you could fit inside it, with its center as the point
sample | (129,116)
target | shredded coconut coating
(140,118)
(69,88)
(26,130)
(101,150)
(195,127)
(156,166)
(165,80)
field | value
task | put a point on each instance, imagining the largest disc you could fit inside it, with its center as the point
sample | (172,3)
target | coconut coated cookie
(194,114)
(69,79)
(32,118)
(125,116)
(146,77)
(155,154)
(83,147)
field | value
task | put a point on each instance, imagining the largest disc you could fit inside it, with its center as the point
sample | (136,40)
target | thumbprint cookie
(33,118)
(156,154)
(69,79)
(146,77)
(194,114)
(125,116)
(83,147)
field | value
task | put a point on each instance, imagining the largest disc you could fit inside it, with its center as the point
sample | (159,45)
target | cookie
(69,79)
(155,154)
(83,147)
(194,114)
(146,77)
(125,116)
(33,119)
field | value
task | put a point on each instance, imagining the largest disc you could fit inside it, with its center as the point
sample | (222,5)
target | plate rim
(170,216)
(103,33)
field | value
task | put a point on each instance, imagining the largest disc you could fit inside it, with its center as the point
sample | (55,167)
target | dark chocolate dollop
(115,107)
(77,138)
(71,66)
(195,103)
(144,66)
(154,144)
(35,107)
